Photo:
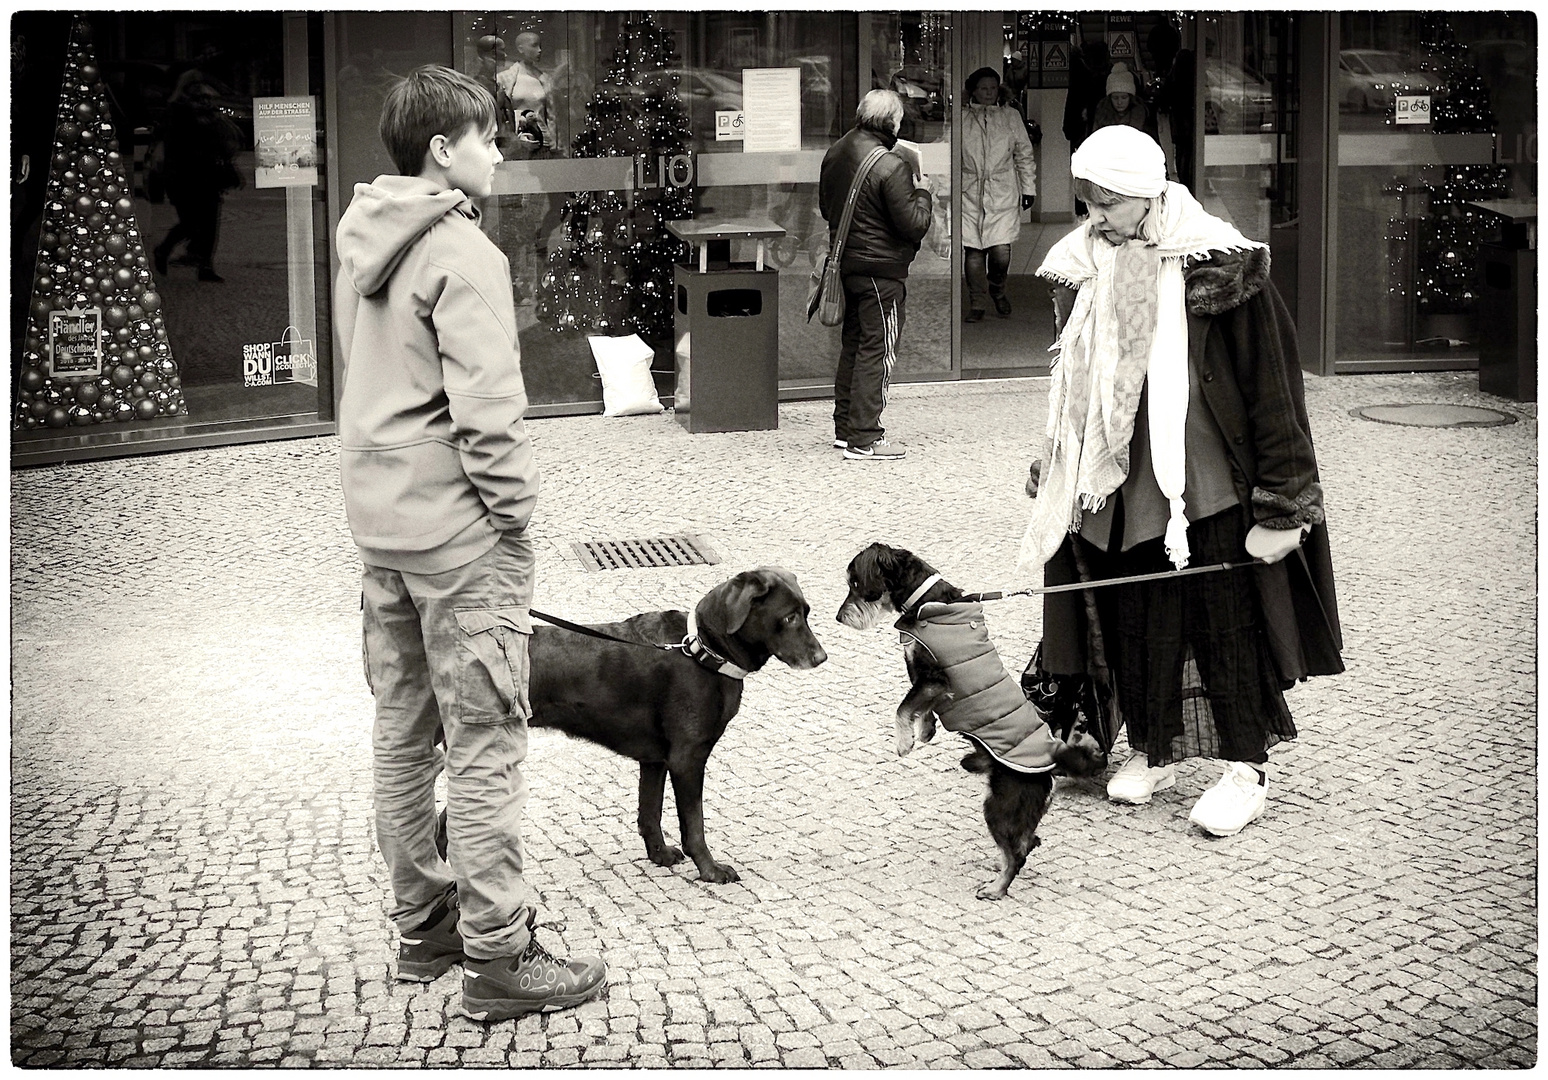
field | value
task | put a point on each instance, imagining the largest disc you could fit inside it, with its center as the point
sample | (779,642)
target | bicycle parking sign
(729,124)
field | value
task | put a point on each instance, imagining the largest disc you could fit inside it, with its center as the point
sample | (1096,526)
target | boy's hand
(521,670)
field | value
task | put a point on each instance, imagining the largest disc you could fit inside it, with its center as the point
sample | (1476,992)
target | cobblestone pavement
(194,880)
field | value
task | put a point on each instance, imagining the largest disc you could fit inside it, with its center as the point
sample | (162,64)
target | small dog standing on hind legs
(956,676)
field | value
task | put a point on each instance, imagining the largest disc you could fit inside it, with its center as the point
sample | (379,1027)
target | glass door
(1251,113)
(1042,83)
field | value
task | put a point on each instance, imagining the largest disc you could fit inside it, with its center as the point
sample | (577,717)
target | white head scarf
(1128,329)
(1122,159)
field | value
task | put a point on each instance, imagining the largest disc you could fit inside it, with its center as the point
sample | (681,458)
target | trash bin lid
(701,230)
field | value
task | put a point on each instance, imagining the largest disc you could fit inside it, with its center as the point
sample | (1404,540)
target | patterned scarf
(1129,325)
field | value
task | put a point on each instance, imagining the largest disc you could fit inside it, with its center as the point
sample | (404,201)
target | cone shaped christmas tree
(612,271)
(95,349)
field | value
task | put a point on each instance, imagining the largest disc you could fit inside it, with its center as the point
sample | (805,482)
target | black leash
(692,645)
(1078,586)
(577,628)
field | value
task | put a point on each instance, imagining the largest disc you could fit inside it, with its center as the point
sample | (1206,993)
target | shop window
(219,219)
(1436,121)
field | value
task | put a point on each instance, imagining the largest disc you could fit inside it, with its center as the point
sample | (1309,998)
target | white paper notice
(771,103)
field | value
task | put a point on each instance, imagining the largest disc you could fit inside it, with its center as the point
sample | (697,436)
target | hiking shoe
(426,952)
(1136,782)
(1002,306)
(535,981)
(1228,807)
(881,450)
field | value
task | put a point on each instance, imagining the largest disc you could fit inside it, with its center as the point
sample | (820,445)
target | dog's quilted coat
(987,705)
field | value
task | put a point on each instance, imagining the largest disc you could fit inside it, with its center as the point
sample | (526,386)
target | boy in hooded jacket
(439,485)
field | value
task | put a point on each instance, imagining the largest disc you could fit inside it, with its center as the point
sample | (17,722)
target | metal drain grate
(640,554)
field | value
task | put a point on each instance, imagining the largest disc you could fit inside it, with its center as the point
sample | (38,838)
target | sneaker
(881,450)
(1136,782)
(1002,306)
(535,981)
(425,953)
(1228,807)
(841,444)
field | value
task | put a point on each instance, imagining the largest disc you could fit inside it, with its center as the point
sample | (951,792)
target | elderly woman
(1178,437)
(999,180)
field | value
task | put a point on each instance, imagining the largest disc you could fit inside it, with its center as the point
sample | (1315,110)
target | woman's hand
(1034,475)
(1271,545)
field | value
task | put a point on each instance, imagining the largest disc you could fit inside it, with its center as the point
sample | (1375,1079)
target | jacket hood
(383,221)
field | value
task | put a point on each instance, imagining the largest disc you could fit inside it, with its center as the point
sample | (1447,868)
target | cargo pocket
(486,678)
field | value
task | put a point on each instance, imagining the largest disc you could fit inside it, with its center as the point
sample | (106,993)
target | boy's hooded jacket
(435,458)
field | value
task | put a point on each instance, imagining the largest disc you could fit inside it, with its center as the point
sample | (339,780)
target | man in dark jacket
(891,217)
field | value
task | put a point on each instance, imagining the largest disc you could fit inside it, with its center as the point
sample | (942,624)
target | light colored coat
(997,169)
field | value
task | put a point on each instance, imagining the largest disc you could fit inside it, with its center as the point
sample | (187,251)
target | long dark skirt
(1189,656)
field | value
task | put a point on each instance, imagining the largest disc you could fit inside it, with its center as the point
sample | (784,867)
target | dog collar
(707,657)
(919,592)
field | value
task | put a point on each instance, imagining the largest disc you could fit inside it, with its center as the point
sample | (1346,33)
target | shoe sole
(852,456)
(840,444)
(409,971)
(1161,785)
(1256,814)
(511,1008)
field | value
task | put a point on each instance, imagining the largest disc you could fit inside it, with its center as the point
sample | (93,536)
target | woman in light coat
(999,180)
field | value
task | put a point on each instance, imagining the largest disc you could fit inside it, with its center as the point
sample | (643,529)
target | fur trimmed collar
(1225,280)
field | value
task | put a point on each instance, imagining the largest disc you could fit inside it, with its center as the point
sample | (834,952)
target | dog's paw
(1082,755)
(666,856)
(993,890)
(718,873)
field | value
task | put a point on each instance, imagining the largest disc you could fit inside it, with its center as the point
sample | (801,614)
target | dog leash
(692,645)
(1078,586)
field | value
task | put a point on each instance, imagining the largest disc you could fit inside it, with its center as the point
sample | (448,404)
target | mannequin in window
(525,94)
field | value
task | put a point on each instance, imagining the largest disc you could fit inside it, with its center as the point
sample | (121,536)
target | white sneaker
(1228,807)
(1136,782)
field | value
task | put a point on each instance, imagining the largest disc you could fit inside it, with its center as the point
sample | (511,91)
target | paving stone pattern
(194,881)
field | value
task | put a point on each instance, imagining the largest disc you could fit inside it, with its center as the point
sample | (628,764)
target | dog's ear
(726,606)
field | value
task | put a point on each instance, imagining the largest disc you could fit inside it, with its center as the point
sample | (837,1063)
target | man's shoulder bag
(825,296)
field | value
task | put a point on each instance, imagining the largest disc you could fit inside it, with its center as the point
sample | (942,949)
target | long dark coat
(1241,341)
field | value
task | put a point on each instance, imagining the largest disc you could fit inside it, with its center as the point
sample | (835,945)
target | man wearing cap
(1177,435)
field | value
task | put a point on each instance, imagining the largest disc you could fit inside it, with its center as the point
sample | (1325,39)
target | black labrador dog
(666,708)
(885,582)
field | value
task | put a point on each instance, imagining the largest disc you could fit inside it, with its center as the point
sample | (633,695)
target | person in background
(891,217)
(1178,436)
(1122,105)
(200,146)
(439,485)
(999,180)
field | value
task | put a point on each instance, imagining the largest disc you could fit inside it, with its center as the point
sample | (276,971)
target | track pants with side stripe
(873,322)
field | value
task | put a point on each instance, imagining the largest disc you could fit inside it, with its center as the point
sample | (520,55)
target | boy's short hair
(429,101)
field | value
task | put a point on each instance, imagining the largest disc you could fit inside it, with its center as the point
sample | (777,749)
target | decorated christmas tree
(95,348)
(611,273)
(1460,99)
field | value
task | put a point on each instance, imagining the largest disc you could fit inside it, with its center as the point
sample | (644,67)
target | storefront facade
(1358,145)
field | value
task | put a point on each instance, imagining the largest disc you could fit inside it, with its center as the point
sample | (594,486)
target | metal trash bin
(726,330)
(1507,304)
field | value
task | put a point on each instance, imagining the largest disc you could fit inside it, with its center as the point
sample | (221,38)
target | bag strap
(842,233)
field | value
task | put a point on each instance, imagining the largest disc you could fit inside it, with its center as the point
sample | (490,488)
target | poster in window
(771,104)
(284,142)
(75,342)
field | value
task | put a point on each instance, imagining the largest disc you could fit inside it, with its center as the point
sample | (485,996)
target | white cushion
(624,365)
